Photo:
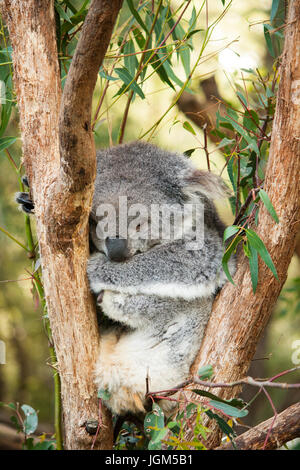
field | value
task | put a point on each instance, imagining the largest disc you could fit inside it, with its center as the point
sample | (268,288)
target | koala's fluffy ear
(206,183)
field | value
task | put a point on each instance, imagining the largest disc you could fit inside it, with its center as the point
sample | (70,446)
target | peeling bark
(239,316)
(60,161)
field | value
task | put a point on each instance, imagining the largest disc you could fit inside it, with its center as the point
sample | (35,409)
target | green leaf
(188,127)
(269,206)
(259,246)
(6,110)
(106,76)
(6,142)
(189,152)
(31,419)
(12,406)
(225,142)
(205,372)
(268,39)
(230,231)
(232,113)
(159,68)
(130,61)
(138,36)
(103,394)
(185,56)
(229,251)
(246,250)
(137,16)
(250,120)
(62,12)
(154,427)
(45,445)
(242,98)
(274,9)
(155,444)
(232,118)
(169,70)
(228,409)
(225,428)
(174,426)
(194,32)
(235,402)
(129,81)
(16,423)
(28,444)
(253,265)
(230,169)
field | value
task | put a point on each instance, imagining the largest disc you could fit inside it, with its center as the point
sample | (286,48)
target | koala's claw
(100,297)
(25,181)
(25,202)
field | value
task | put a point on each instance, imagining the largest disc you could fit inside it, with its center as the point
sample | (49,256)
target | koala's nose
(116,248)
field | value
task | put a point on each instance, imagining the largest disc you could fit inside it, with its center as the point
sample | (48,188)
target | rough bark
(61,170)
(285,428)
(239,316)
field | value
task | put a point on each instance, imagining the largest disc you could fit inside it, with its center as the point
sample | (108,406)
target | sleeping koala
(157,245)
(157,287)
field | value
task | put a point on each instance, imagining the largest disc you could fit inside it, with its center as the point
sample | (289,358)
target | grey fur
(163,292)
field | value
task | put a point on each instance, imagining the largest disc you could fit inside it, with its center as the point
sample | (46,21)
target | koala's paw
(25,202)
(112,304)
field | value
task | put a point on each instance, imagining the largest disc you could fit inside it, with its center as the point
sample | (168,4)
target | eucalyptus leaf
(103,394)
(31,419)
(129,81)
(228,409)
(205,372)
(269,206)
(6,142)
(256,243)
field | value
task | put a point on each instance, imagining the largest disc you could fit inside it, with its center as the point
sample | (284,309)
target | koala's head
(140,190)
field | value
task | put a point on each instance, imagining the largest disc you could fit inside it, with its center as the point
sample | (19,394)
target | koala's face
(126,221)
(130,202)
(140,194)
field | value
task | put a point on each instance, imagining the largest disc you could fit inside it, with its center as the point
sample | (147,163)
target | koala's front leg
(138,311)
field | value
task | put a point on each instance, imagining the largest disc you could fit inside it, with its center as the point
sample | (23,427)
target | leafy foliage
(27,424)
(246,155)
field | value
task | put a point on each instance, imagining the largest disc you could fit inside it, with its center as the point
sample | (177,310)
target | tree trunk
(239,316)
(61,169)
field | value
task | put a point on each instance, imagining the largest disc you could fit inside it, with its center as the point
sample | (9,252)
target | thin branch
(246,380)
(286,428)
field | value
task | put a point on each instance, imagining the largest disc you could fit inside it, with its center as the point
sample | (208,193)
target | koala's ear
(206,183)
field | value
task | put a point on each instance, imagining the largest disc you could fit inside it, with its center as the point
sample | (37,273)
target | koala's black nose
(116,248)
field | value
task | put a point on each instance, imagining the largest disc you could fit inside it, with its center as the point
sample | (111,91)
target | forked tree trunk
(60,161)
(239,316)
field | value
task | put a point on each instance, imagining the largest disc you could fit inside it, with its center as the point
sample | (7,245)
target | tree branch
(204,113)
(239,316)
(286,428)
(60,161)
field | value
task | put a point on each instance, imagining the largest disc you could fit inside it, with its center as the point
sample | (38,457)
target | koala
(154,289)
(157,290)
